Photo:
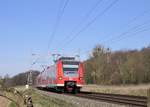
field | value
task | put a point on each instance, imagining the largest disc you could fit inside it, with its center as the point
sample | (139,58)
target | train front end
(70,74)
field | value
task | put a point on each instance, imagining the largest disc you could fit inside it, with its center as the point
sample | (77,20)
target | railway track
(133,101)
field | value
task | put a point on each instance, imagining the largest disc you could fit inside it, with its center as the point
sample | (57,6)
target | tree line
(120,67)
(104,67)
(19,79)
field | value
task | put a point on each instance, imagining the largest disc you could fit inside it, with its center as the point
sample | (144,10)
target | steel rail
(138,101)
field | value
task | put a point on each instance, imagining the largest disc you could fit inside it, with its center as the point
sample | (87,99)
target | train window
(70,63)
(70,72)
(70,68)
(67,58)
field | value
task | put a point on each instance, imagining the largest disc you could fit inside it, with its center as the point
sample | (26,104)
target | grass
(138,90)
(12,104)
(45,101)
(40,100)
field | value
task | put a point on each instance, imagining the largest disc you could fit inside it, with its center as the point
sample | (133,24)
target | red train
(66,75)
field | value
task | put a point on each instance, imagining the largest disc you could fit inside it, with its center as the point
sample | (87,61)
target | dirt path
(3,102)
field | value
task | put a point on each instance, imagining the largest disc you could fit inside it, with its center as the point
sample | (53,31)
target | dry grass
(138,90)
(40,100)
(45,101)
(20,88)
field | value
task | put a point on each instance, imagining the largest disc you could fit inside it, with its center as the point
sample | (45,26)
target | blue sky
(26,27)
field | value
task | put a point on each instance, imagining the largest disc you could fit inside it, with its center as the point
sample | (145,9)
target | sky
(35,29)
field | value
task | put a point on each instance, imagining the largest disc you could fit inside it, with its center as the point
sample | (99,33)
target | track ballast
(136,101)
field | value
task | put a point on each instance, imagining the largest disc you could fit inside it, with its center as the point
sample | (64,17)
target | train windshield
(70,68)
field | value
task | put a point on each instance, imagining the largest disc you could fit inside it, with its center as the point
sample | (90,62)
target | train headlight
(81,78)
(60,78)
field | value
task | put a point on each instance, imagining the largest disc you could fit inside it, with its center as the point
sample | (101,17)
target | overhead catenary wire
(136,28)
(56,23)
(131,21)
(84,19)
(131,32)
(131,35)
(126,32)
(138,16)
(58,19)
(91,22)
(61,10)
(123,34)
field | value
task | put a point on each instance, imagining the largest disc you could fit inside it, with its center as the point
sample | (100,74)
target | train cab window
(70,68)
